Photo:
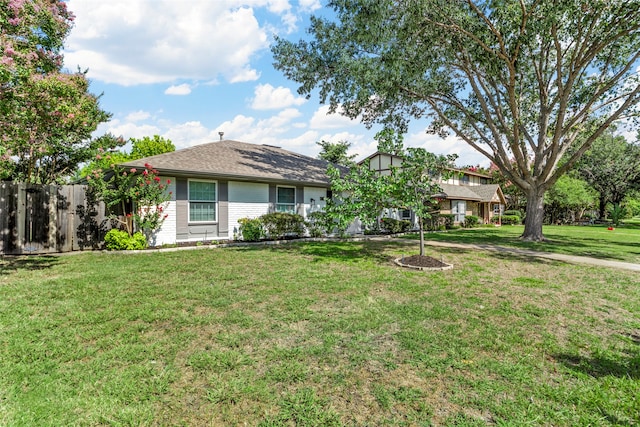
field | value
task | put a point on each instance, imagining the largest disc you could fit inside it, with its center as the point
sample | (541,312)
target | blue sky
(188,69)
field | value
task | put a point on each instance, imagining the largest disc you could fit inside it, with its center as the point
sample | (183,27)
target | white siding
(246,200)
(167,232)
(318,195)
(385,162)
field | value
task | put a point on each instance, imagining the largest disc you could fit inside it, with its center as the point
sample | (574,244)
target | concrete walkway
(547,255)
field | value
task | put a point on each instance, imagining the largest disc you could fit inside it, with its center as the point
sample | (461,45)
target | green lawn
(316,334)
(622,243)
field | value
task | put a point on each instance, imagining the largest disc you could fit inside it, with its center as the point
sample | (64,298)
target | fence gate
(39,219)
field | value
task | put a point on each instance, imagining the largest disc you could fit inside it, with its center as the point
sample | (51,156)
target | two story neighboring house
(466,193)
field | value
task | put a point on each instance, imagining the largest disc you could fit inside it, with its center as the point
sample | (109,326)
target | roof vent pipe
(221,135)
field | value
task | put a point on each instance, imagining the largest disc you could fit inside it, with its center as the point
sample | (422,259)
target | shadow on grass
(506,256)
(626,365)
(586,246)
(339,250)
(9,264)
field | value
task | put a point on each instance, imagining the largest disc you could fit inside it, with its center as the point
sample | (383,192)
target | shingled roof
(480,193)
(239,160)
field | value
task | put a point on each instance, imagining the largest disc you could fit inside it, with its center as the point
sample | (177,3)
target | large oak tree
(521,81)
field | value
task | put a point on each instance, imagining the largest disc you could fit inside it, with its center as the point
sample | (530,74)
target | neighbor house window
(202,201)
(405,214)
(286,200)
(497,209)
(464,179)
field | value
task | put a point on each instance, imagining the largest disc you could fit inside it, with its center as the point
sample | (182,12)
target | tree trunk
(601,208)
(421,224)
(535,216)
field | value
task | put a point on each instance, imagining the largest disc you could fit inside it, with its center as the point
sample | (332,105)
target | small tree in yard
(139,195)
(414,185)
(364,193)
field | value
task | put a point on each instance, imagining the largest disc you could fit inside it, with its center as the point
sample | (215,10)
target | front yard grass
(621,244)
(316,334)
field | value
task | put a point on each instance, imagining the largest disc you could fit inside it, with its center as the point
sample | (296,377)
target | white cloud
(152,41)
(137,116)
(449,145)
(323,120)
(127,129)
(188,134)
(310,5)
(269,98)
(183,89)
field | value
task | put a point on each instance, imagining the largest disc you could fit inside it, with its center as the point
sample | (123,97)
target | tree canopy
(568,200)
(106,155)
(150,146)
(521,81)
(47,115)
(336,153)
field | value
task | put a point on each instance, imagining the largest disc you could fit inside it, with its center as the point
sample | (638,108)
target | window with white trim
(286,199)
(202,201)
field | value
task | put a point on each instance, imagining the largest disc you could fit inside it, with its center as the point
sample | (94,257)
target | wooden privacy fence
(39,219)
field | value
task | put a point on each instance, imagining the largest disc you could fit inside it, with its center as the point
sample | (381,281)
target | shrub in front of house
(471,221)
(318,224)
(432,223)
(280,225)
(515,212)
(251,229)
(120,240)
(506,219)
(393,226)
(447,220)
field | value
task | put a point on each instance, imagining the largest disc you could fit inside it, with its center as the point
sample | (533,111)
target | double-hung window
(202,201)
(286,199)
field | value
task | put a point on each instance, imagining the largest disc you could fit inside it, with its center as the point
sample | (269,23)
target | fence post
(21,217)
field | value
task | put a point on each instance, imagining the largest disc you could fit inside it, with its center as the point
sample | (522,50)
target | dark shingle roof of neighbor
(481,193)
(239,160)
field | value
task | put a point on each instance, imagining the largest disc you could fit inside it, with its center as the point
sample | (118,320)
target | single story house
(213,185)
(465,193)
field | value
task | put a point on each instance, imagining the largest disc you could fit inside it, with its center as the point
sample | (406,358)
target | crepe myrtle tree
(521,80)
(139,195)
(47,115)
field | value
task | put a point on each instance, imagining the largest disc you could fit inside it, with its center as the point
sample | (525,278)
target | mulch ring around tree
(422,262)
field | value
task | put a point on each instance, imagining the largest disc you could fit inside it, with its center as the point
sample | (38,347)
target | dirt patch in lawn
(422,262)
